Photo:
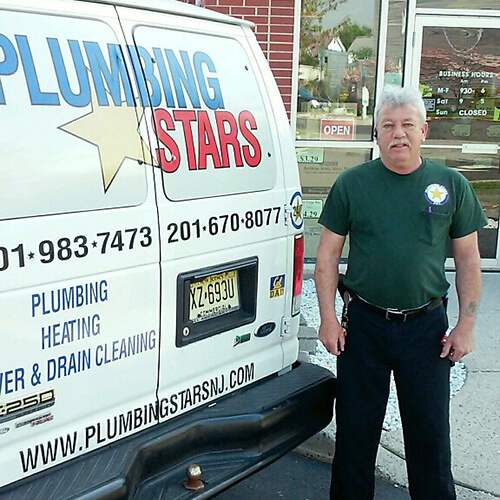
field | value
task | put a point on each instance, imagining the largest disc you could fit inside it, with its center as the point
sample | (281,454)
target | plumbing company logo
(165,107)
(436,194)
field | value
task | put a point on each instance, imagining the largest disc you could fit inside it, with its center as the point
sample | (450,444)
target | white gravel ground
(310,313)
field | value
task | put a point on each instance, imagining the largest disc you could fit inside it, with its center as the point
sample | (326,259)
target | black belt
(399,314)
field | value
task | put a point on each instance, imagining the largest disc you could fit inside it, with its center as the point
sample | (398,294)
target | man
(399,212)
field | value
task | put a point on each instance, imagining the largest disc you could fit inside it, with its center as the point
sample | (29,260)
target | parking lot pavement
(295,477)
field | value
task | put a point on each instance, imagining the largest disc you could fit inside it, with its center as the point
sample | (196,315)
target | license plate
(213,296)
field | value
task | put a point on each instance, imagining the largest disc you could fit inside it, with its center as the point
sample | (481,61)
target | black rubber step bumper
(238,435)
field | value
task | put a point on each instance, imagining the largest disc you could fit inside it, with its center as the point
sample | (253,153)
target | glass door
(456,64)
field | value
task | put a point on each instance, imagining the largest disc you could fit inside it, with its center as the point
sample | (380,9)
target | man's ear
(425,129)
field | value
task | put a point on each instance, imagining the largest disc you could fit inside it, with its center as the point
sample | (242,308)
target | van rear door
(79,253)
(219,182)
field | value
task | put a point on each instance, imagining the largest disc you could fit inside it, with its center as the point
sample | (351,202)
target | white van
(151,254)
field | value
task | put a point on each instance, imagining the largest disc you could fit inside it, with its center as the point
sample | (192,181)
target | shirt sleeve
(469,215)
(335,213)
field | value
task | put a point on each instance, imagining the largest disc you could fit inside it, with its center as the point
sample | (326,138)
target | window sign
(310,155)
(337,130)
(316,180)
(312,208)
(460,83)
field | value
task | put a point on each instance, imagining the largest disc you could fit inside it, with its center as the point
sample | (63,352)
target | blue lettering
(183,78)
(51,369)
(36,95)
(215,102)
(82,98)
(113,75)
(103,290)
(11,381)
(67,298)
(35,302)
(9,64)
(66,365)
(167,89)
(80,300)
(188,78)
(99,355)
(145,73)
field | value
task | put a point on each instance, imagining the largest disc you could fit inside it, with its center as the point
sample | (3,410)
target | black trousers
(375,347)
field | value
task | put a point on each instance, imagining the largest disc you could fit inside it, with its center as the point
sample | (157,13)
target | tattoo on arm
(471,308)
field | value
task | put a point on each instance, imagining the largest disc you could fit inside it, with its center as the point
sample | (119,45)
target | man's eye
(409,125)
(387,126)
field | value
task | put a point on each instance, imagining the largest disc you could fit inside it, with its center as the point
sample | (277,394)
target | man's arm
(468,283)
(326,276)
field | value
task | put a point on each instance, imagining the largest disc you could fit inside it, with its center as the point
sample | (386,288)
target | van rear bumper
(231,439)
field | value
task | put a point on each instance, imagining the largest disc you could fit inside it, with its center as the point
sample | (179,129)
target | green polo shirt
(398,228)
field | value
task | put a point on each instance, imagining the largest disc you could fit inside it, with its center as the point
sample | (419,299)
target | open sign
(337,130)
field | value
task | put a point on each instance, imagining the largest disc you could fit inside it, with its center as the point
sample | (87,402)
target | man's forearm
(468,285)
(326,278)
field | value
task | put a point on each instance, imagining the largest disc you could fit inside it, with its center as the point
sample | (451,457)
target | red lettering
(247,121)
(162,121)
(186,117)
(228,137)
(207,145)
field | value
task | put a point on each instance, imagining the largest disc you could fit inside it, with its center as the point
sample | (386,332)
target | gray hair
(394,96)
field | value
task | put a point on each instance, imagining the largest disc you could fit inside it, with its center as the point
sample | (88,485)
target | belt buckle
(396,312)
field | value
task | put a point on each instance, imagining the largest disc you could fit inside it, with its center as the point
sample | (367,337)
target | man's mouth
(400,145)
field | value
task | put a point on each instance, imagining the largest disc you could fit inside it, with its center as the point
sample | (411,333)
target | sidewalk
(475,411)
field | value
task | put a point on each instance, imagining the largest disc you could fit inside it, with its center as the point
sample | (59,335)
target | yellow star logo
(436,194)
(113,129)
(297,210)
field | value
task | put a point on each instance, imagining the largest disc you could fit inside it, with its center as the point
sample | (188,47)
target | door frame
(445,18)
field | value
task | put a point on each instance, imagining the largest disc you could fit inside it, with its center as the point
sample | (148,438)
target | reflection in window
(394,51)
(337,67)
(483,172)
(458,4)
(319,168)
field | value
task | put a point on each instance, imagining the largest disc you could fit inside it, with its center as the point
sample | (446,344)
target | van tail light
(298,269)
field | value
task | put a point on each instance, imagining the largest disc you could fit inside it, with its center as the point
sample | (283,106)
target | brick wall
(273,21)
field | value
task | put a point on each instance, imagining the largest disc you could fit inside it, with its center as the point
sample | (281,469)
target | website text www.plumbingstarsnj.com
(96,434)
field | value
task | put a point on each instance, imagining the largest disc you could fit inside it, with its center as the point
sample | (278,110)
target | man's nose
(399,130)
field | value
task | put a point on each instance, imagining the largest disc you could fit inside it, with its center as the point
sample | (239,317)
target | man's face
(399,135)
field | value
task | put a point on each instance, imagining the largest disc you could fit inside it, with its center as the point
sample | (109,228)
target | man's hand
(332,335)
(326,276)
(459,343)
(468,282)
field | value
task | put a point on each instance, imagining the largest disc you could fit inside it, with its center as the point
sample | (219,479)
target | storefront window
(318,168)
(337,68)
(394,51)
(483,172)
